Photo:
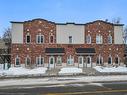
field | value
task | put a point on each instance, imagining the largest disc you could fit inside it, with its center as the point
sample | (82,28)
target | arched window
(51,38)
(109,39)
(51,60)
(88,60)
(80,59)
(116,60)
(99,39)
(28,38)
(28,60)
(109,60)
(88,39)
(17,61)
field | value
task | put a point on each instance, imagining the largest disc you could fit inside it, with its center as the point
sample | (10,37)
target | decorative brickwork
(44,27)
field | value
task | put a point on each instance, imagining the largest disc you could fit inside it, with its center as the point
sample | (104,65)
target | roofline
(114,24)
(105,22)
(70,23)
(15,22)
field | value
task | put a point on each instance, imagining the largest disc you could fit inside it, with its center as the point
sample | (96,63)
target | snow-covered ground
(61,80)
(119,69)
(23,71)
(70,70)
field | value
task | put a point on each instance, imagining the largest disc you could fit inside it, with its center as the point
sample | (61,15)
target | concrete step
(53,71)
(90,71)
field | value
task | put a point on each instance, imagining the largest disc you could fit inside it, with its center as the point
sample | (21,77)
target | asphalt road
(108,88)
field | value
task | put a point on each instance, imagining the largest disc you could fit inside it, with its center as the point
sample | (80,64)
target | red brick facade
(46,28)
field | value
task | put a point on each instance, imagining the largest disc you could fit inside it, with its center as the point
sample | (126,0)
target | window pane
(17,61)
(51,39)
(41,39)
(97,60)
(116,60)
(28,61)
(109,60)
(80,60)
(70,39)
(28,39)
(51,61)
(41,61)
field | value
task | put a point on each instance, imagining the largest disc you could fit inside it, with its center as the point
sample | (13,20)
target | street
(81,88)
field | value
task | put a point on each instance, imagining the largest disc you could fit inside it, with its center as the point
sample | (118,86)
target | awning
(54,51)
(85,51)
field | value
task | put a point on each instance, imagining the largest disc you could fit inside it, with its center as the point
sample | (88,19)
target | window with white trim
(80,59)
(70,39)
(59,60)
(109,60)
(28,38)
(17,61)
(117,60)
(70,60)
(39,39)
(99,39)
(28,61)
(109,39)
(88,39)
(99,59)
(51,38)
(39,61)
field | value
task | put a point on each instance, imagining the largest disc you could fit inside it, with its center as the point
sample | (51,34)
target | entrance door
(88,61)
(51,62)
(70,60)
(80,61)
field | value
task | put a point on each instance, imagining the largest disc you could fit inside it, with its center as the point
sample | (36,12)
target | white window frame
(16,60)
(111,59)
(51,34)
(87,59)
(26,38)
(99,58)
(59,58)
(118,59)
(40,59)
(51,58)
(39,36)
(88,39)
(80,57)
(70,60)
(70,40)
(99,39)
(109,39)
(26,60)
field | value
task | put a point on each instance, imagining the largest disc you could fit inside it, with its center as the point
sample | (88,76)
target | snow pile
(70,70)
(39,70)
(23,71)
(119,69)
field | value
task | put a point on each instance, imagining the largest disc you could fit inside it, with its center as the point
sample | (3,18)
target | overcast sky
(78,11)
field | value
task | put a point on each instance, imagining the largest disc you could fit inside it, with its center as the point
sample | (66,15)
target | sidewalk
(61,80)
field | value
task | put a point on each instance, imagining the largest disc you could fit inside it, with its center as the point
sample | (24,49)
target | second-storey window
(28,38)
(70,39)
(88,39)
(39,39)
(99,39)
(109,39)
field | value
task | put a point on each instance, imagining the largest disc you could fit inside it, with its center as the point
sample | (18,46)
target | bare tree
(116,20)
(7,36)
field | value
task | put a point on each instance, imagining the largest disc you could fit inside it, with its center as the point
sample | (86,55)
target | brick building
(39,42)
